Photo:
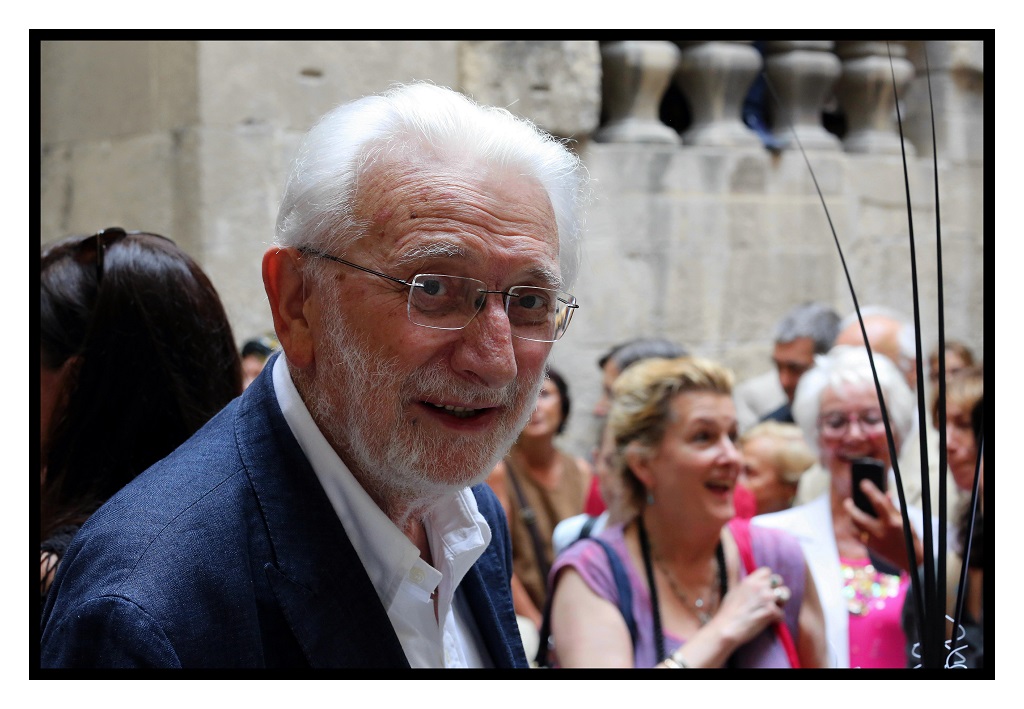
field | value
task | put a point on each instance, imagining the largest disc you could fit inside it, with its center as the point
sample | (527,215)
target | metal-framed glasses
(444,302)
(838,423)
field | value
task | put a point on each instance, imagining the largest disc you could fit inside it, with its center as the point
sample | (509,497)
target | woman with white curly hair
(859,562)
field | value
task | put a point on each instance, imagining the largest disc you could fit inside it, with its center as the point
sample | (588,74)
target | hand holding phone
(870,469)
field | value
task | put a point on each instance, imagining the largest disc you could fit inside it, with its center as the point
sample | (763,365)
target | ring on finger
(782,595)
(775,580)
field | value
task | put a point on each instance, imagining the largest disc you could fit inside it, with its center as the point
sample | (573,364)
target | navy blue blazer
(228,554)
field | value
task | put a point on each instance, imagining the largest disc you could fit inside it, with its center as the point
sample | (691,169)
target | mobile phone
(873,470)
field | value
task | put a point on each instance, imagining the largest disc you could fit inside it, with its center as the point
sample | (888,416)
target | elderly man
(334,515)
(892,335)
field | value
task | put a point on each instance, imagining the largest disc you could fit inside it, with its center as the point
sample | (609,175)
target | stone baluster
(802,74)
(715,78)
(957,70)
(635,77)
(865,95)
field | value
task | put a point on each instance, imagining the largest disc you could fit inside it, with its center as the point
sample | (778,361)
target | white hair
(420,118)
(849,365)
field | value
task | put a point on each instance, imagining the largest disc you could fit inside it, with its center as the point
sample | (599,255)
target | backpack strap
(625,593)
(588,526)
(530,519)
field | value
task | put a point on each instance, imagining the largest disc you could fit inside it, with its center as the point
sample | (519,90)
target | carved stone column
(865,94)
(802,75)
(715,78)
(635,76)
(957,71)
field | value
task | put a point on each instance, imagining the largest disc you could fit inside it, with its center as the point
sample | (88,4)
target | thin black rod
(940,572)
(962,589)
(908,537)
(932,628)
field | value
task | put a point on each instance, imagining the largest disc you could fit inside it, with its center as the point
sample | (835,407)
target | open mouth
(719,486)
(460,412)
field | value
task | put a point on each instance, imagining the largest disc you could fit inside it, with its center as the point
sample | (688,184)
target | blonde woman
(694,603)
(775,455)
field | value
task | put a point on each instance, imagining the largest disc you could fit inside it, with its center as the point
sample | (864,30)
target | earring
(650,497)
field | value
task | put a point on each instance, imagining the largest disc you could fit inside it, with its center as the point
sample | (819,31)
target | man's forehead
(443,212)
(801,349)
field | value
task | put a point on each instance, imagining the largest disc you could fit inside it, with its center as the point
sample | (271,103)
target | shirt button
(417,575)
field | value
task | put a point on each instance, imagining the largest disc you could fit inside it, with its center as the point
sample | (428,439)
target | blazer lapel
(315,574)
(493,619)
(492,604)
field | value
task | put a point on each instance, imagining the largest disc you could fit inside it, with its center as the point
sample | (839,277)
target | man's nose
(485,352)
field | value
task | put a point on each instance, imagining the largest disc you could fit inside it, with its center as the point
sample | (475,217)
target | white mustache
(437,385)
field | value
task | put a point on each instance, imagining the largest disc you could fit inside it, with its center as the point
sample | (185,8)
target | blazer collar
(316,575)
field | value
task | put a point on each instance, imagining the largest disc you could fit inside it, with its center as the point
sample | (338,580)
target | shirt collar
(457,532)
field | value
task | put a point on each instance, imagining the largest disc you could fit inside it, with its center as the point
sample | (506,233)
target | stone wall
(705,245)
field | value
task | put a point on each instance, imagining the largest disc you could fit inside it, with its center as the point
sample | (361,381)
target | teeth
(458,411)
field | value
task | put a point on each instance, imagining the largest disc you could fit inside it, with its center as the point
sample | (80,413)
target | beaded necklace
(645,550)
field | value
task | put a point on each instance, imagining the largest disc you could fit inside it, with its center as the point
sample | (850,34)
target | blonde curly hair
(641,409)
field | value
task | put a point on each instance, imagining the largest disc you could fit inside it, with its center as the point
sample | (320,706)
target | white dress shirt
(456,531)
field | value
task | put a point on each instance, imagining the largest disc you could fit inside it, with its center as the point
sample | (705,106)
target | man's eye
(431,286)
(531,301)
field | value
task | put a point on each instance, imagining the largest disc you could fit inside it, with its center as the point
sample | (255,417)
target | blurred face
(695,467)
(547,414)
(761,476)
(252,365)
(961,445)
(609,373)
(792,359)
(850,426)
(954,363)
(417,412)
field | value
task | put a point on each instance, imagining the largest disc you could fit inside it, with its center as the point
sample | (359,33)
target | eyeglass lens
(451,302)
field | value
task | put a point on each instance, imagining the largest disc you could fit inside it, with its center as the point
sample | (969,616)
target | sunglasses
(94,247)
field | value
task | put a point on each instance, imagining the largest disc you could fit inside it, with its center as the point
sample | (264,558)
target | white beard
(402,469)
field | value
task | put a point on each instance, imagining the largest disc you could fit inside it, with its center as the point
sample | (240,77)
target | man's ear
(289,301)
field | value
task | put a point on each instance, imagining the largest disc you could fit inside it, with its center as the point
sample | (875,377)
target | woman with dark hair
(136,355)
(539,485)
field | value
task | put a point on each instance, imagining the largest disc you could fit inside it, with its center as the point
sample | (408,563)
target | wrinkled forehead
(427,206)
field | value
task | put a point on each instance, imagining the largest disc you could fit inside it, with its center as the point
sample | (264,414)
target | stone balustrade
(695,231)
(791,86)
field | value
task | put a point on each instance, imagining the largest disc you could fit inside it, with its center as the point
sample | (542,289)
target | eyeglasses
(445,302)
(837,423)
(95,247)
